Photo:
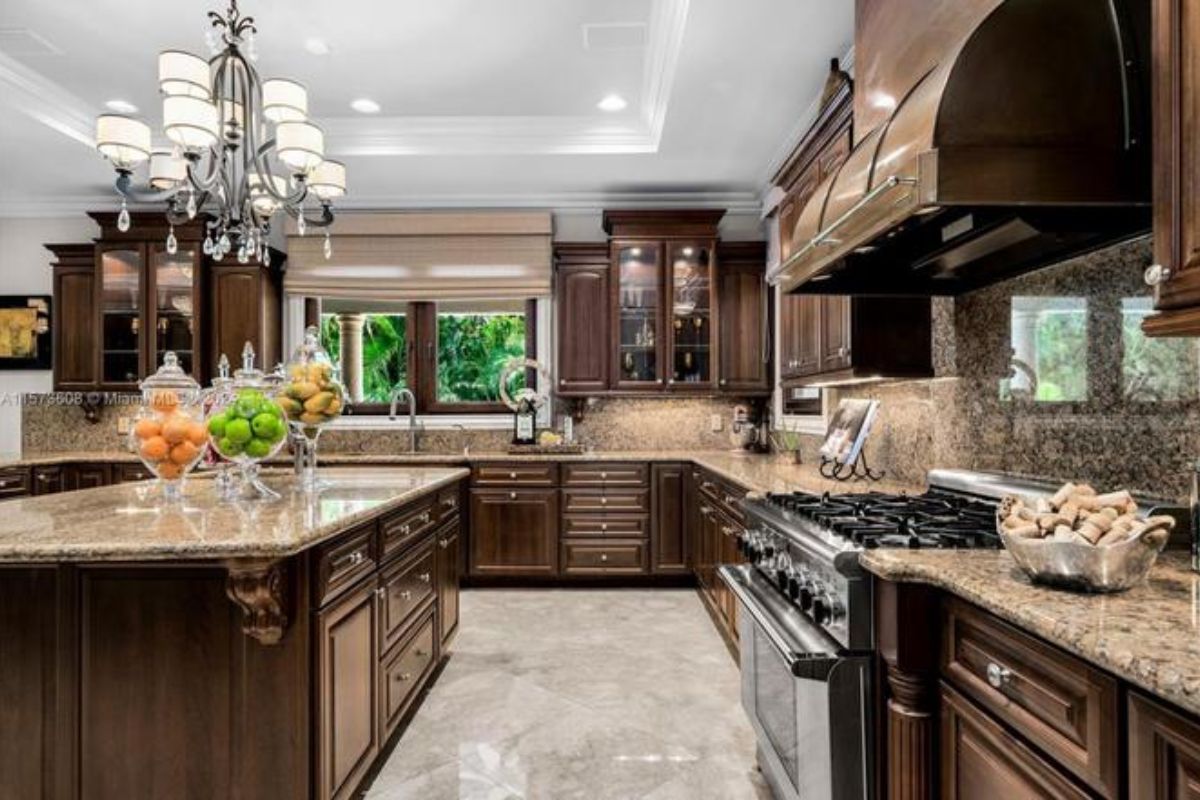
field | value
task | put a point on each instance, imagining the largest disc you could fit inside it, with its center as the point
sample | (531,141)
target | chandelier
(242,149)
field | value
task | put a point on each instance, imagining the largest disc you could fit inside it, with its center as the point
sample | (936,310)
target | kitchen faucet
(397,393)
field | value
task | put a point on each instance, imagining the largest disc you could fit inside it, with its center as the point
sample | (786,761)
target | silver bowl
(1088,568)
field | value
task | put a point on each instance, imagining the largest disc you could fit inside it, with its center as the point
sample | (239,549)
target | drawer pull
(424,516)
(350,560)
(603,526)
(512,495)
(404,677)
(6,482)
(420,653)
(705,510)
(512,475)
(730,500)
(444,543)
(603,476)
(998,676)
(707,485)
(406,595)
(1156,274)
(381,592)
(603,501)
(405,530)
(425,577)
(604,556)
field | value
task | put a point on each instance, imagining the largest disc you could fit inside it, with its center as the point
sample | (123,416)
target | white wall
(25,269)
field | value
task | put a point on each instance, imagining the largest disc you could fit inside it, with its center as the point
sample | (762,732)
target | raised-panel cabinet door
(347,686)
(74,329)
(668,535)
(245,308)
(807,333)
(1164,752)
(1176,126)
(744,346)
(514,531)
(835,333)
(86,476)
(583,314)
(448,555)
(637,328)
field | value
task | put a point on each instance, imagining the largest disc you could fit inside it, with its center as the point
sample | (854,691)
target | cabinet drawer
(403,674)
(124,473)
(516,474)
(604,525)
(447,503)
(635,501)
(14,483)
(403,589)
(727,496)
(1058,702)
(980,759)
(606,474)
(604,557)
(342,562)
(401,528)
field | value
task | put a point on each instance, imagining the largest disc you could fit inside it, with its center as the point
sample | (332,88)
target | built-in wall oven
(809,699)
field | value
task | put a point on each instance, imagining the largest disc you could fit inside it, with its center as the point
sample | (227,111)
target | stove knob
(743,541)
(793,588)
(820,611)
(806,596)
(769,550)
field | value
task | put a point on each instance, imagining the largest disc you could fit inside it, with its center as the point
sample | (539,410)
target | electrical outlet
(715,423)
(123,424)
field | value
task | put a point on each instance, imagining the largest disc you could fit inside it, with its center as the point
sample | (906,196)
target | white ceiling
(485,103)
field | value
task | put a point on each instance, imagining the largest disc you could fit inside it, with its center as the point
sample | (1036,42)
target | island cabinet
(221,674)
(1164,751)
(1175,76)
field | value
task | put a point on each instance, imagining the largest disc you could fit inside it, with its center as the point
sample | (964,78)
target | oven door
(809,701)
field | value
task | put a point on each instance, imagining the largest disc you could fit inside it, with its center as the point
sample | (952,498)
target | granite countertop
(1149,635)
(131,522)
(757,473)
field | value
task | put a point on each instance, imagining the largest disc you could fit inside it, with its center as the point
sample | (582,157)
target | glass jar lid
(170,377)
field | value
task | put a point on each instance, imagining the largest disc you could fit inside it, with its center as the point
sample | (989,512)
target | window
(1049,350)
(450,354)
(1155,370)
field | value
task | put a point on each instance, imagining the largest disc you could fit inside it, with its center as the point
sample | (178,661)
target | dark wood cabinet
(449,555)
(124,300)
(49,479)
(1176,194)
(514,531)
(581,305)
(669,541)
(123,472)
(979,759)
(86,476)
(637,288)
(1164,752)
(744,345)
(15,482)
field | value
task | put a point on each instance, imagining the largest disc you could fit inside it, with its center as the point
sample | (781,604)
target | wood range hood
(1000,136)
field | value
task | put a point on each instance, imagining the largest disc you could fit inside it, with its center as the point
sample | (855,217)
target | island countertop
(132,522)
(1149,635)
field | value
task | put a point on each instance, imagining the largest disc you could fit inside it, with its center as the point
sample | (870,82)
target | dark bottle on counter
(524,419)
(1195,520)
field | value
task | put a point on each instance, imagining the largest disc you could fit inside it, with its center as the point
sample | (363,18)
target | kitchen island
(211,649)
(1002,687)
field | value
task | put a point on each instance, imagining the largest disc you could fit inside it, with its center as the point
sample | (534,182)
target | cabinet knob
(512,476)
(603,476)
(562,381)
(604,556)
(997,675)
(512,495)
(603,501)
(660,380)
(724,381)
(444,543)
(404,677)
(841,352)
(406,595)
(603,526)
(425,577)
(1156,274)
(671,381)
(381,592)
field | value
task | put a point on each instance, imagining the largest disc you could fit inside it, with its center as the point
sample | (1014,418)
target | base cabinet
(449,555)
(1164,752)
(347,703)
(514,532)
(668,542)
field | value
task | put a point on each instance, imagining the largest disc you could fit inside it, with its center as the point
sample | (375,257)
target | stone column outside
(350,328)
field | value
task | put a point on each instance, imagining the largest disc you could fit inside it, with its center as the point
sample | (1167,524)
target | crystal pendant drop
(243,255)
(123,218)
(224,243)
(328,247)
(266,257)
(191,205)
(300,224)
(207,247)
(172,242)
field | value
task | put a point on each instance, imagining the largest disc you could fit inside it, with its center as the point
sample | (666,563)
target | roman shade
(413,256)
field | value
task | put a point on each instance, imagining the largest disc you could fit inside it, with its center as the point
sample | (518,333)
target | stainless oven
(809,699)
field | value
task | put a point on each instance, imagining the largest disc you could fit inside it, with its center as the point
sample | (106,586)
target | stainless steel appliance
(807,629)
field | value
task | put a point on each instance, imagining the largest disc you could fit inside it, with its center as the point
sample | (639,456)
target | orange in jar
(169,471)
(197,433)
(175,429)
(145,428)
(184,452)
(155,448)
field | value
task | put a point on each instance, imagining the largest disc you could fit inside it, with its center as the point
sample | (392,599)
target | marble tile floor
(592,694)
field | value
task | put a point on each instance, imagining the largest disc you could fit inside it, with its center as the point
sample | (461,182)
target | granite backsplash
(1048,375)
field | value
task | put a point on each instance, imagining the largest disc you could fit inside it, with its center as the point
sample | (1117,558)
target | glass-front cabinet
(175,303)
(121,306)
(638,325)
(664,321)
(690,336)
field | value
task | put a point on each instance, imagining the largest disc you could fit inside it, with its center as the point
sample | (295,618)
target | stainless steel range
(806,623)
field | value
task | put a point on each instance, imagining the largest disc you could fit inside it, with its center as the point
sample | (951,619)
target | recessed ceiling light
(612,102)
(317,46)
(365,105)
(120,106)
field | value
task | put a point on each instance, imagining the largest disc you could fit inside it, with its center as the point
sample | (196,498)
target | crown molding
(31,93)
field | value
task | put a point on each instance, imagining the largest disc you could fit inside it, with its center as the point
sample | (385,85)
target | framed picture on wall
(24,331)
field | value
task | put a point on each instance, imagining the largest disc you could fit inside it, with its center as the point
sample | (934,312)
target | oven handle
(809,652)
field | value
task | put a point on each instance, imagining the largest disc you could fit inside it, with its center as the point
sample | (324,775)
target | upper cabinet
(1175,274)
(123,301)
(652,318)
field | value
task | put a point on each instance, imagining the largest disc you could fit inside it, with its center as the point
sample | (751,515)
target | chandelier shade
(190,122)
(166,169)
(328,180)
(300,145)
(284,100)
(124,141)
(181,73)
(244,149)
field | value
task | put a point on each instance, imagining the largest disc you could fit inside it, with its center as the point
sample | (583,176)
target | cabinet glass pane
(120,311)
(691,313)
(638,287)
(173,312)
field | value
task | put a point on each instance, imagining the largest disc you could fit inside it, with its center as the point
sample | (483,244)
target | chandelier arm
(323,221)
(125,187)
